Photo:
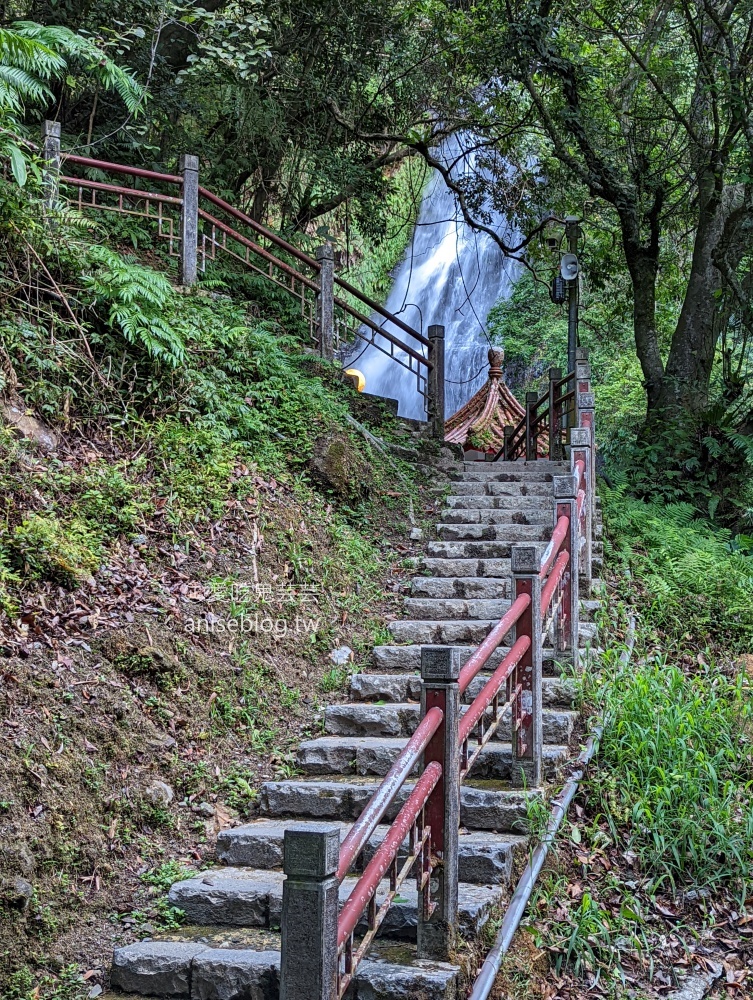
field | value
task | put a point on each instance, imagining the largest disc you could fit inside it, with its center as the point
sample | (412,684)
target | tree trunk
(643,266)
(691,357)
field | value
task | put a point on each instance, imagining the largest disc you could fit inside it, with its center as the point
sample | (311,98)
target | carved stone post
(435,401)
(440,669)
(527,721)
(308,961)
(509,431)
(566,630)
(580,450)
(189,219)
(51,157)
(325,301)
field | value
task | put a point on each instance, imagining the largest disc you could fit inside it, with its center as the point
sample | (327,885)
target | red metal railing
(541,432)
(410,821)
(263,252)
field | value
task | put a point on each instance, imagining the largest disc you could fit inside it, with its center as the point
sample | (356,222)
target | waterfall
(450,275)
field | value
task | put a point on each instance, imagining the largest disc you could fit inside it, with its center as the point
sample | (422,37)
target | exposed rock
(416,535)
(341,656)
(160,793)
(17,893)
(24,425)
(337,465)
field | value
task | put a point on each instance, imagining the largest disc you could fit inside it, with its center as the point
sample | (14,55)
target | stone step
(519,467)
(521,513)
(484,805)
(463,587)
(446,549)
(493,569)
(476,488)
(193,970)
(251,897)
(401,718)
(370,755)
(483,858)
(556,691)
(407,659)
(457,608)
(542,499)
(504,472)
(464,632)
(495,532)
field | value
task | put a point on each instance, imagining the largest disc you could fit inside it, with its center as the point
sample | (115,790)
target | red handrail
(477,660)
(171,199)
(558,538)
(489,691)
(547,591)
(383,857)
(316,266)
(119,168)
(364,826)
(264,254)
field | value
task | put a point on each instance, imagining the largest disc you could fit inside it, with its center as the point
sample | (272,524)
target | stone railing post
(566,634)
(440,669)
(580,450)
(555,449)
(325,301)
(435,382)
(308,961)
(189,219)
(508,432)
(51,157)
(527,722)
(531,450)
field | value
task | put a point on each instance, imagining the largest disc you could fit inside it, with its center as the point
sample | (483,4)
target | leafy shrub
(137,299)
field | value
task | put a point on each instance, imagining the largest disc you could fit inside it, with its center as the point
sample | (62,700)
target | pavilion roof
(485,414)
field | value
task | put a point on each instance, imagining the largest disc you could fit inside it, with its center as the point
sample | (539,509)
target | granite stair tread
(401,718)
(484,804)
(252,897)
(485,858)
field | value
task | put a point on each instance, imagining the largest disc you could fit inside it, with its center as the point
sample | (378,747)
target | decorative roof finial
(496,360)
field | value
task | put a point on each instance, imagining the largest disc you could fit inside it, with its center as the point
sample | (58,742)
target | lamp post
(564,286)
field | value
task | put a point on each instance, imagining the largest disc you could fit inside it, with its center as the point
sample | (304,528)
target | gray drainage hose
(516,908)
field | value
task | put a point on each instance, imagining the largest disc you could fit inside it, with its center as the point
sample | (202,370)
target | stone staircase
(229,949)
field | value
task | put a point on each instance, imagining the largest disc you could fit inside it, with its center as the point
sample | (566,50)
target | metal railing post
(325,301)
(527,720)
(308,961)
(531,399)
(580,450)
(51,157)
(437,933)
(566,619)
(555,374)
(435,401)
(189,219)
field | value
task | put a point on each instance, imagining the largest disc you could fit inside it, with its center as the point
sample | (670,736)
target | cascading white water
(452,276)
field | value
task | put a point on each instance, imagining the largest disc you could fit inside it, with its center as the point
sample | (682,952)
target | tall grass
(675,772)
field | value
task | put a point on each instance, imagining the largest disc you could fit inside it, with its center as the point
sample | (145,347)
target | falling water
(450,275)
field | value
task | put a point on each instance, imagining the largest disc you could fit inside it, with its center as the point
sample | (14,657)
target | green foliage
(675,771)
(31,57)
(697,579)
(532,331)
(136,299)
(164,875)
(68,985)
(45,548)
